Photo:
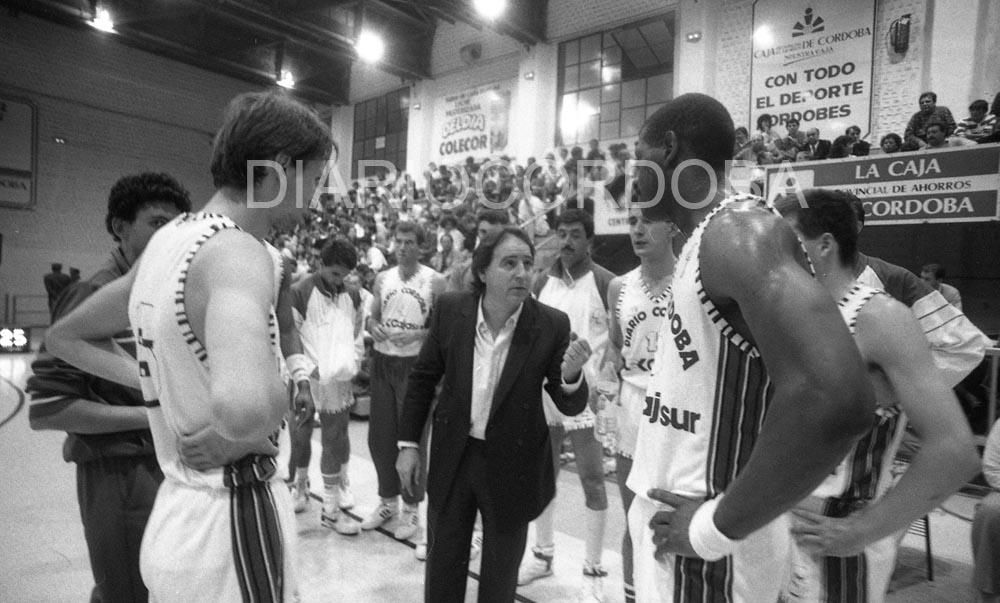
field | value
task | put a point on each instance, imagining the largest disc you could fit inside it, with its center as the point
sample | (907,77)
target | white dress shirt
(487,364)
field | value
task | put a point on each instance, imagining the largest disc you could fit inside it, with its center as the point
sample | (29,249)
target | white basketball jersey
(173,362)
(405,307)
(639,313)
(582,303)
(705,403)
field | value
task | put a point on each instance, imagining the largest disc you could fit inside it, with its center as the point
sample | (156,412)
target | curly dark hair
(130,193)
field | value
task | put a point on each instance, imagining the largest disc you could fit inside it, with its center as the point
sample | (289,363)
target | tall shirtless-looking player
(201,301)
(845,548)
(639,301)
(727,445)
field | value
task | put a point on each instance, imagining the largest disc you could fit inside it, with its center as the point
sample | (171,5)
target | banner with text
(17,152)
(474,122)
(812,60)
(954,185)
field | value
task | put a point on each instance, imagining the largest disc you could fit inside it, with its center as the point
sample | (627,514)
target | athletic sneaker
(300,496)
(592,589)
(382,513)
(538,567)
(477,545)
(338,521)
(409,523)
(421,551)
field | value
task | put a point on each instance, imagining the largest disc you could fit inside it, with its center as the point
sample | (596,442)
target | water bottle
(606,423)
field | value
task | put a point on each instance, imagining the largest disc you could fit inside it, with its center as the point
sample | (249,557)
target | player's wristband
(298,366)
(706,539)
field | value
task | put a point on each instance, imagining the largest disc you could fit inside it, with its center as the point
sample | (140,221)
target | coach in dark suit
(815,147)
(496,348)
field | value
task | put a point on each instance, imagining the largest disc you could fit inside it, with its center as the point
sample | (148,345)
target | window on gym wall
(609,82)
(380,130)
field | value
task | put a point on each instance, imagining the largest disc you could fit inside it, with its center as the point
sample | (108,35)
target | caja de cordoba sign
(812,60)
(953,185)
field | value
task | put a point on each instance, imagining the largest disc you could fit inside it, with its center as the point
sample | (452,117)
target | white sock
(545,529)
(596,523)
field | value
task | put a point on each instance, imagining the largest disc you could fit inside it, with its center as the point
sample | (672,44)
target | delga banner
(923,187)
(812,60)
(473,122)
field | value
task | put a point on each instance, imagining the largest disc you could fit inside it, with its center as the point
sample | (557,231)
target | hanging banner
(812,60)
(923,187)
(474,122)
(17,152)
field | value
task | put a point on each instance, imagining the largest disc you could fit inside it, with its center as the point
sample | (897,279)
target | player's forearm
(937,471)
(89,417)
(101,358)
(806,434)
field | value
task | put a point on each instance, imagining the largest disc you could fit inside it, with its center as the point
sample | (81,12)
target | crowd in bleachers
(932,127)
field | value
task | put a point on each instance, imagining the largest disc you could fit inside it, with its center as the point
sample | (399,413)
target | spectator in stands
(858,147)
(816,147)
(936,136)
(932,275)
(741,150)
(74,275)
(840,148)
(55,282)
(891,143)
(986,526)
(595,152)
(995,112)
(917,128)
(793,142)
(765,133)
(979,124)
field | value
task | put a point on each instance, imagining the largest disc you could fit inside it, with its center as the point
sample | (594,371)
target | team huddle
(763,381)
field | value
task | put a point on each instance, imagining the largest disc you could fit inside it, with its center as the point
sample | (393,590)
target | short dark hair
(410,228)
(482,257)
(493,216)
(56,267)
(979,105)
(930,95)
(936,269)
(577,216)
(855,128)
(131,193)
(839,147)
(761,118)
(701,124)
(260,125)
(339,252)
(931,123)
(825,211)
(792,120)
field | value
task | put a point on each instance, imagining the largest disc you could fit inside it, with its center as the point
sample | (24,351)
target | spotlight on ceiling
(286,80)
(102,20)
(490,9)
(370,47)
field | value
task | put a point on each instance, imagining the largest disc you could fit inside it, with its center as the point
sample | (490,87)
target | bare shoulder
(745,244)
(232,256)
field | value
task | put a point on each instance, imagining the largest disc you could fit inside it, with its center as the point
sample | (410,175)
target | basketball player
(725,444)
(328,321)
(402,300)
(845,549)
(639,301)
(201,300)
(578,286)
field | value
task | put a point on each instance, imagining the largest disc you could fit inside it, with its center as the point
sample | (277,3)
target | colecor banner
(473,122)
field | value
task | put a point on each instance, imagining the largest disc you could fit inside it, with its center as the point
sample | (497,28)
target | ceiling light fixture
(102,20)
(490,9)
(286,80)
(694,36)
(370,47)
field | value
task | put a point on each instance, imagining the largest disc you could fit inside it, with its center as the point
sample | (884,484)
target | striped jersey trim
(180,311)
(852,302)
(257,544)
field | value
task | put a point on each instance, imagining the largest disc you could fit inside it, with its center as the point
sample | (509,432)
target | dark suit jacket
(518,453)
(861,148)
(822,149)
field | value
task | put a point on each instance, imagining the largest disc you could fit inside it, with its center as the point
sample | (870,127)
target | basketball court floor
(44,557)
